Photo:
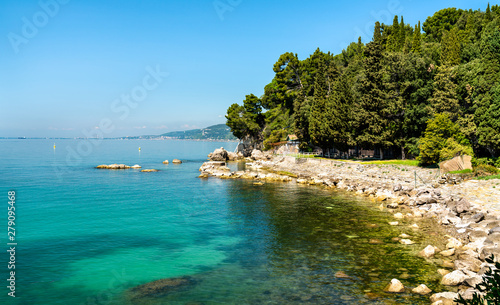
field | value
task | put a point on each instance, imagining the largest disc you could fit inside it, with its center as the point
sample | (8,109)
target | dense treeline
(430,91)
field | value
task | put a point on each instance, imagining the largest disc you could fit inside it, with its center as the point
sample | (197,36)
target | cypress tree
(377,37)
(445,98)
(416,44)
(371,117)
(402,34)
(318,123)
(487,15)
(393,44)
(450,54)
(359,48)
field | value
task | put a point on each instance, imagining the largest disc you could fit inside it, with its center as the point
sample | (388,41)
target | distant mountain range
(216,132)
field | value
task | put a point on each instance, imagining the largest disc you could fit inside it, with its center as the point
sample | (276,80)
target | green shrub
(275,136)
(489,287)
(452,149)
(485,169)
(442,140)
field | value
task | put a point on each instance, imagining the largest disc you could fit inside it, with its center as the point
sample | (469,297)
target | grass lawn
(380,162)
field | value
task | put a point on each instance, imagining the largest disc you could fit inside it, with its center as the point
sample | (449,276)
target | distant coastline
(214,133)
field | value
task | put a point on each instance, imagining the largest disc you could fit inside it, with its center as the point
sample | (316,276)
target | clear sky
(149,67)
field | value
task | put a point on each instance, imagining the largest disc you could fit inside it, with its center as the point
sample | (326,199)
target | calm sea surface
(87,236)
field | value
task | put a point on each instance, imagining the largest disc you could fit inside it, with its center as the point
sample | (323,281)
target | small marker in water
(54,145)
(139,149)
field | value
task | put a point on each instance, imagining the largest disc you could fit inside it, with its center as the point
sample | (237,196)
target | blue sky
(73,67)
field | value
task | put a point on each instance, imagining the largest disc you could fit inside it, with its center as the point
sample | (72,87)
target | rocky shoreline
(469,210)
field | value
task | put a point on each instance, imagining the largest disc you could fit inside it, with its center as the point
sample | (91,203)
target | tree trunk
(403,156)
(381,154)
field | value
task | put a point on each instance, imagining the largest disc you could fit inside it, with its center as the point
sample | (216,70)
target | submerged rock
(161,287)
(149,170)
(421,289)
(342,275)
(395,286)
(176,161)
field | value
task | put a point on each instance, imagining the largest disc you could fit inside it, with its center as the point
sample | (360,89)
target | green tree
(402,35)
(393,40)
(441,21)
(487,14)
(318,124)
(372,118)
(444,98)
(247,120)
(487,88)
(338,114)
(416,46)
(436,144)
(377,37)
(450,54)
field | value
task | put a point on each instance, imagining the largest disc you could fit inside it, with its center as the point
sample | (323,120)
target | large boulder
(445,297)
(258,155)
(231,156)
(455,164)
(454,278)
(220,154)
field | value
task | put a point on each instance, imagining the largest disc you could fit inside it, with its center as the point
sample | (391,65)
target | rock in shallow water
(161,287)
(422,289)
(454,278)
(395,286)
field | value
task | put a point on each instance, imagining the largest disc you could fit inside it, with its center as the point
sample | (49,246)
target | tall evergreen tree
(444,98)
(371,119)
(450,53)
(377,37)
(487,15)
(338,115)
(393,40)
(402,34)
(301,119)
(359,48)
(416,46)
(318,124)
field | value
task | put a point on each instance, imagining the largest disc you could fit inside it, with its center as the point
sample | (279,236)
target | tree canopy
(391,92)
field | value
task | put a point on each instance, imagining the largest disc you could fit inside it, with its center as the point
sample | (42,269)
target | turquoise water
(87,236)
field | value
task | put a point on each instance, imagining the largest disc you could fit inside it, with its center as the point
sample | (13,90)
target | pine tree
(416,46)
